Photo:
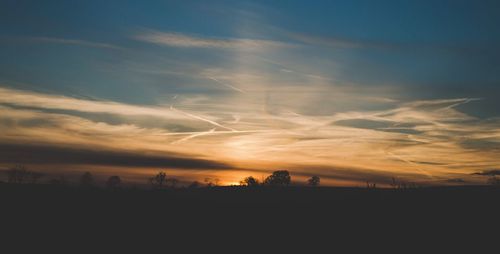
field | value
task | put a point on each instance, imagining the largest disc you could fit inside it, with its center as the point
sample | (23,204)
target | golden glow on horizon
(259,143)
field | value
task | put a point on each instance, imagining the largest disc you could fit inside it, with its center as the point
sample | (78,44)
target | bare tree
(371,185)
(278,178)
(249,181)
(17,174)
(313,181)
(493,180)
(212,182)
(158,180)
(394,183)
(114,182)
(87,180)
(401,185)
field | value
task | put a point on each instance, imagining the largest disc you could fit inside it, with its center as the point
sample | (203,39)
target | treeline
(21,175)
(277,178)
(282,178)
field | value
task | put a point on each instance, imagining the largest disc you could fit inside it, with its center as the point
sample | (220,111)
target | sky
(351,91)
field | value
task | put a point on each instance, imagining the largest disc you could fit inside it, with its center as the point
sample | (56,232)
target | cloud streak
(75,42)
(189,41)
(421,141)
(336,42)
(54,155)
(45,101)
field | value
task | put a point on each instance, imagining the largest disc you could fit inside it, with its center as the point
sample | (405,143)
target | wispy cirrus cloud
(336,42)
(190,41)
(76,42)
(47,101)
(304,38)
(422,141)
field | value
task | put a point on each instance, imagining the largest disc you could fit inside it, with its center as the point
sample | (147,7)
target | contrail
(214,133)
(412,163)
(464,101)
(202,119)
(194,136)
(227,85)
(202,133)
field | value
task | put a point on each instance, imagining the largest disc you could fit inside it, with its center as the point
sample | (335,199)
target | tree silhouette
(371,185)
(61,180)
(493,180)
(158,180)
(313,181)
(35,176)
(114,182)
(172,182)
(401,185)
(17,174)
(278,178)
(212,182)
(249,181)
(194,185)
(86,180)
(394,183)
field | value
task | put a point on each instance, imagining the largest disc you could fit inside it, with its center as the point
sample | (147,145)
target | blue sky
(277,66)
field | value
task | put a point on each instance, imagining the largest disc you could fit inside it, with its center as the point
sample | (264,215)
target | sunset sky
(351,91)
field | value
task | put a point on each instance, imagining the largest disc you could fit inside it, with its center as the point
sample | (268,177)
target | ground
(325,214)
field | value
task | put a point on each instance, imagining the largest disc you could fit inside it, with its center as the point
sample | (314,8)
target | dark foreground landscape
(430,214)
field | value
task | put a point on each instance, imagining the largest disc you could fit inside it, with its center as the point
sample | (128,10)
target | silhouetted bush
(60,181)
(194,185)
(313,181)
(172,182)
(35,176)
(278,178)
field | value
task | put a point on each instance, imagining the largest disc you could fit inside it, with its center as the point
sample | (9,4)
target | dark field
(319,214)
(182,199)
